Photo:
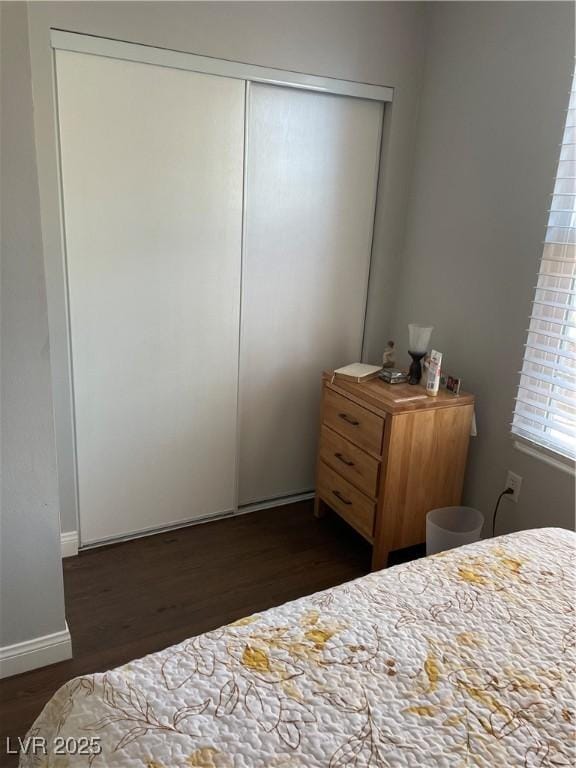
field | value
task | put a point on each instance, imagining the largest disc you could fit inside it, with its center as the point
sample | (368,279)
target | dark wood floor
(130,599)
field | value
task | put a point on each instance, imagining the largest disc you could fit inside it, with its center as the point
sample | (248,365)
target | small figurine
(388,359)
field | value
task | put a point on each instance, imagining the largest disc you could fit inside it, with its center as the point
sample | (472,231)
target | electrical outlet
(513,481)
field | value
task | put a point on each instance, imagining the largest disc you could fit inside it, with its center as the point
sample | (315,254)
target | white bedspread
(463,659)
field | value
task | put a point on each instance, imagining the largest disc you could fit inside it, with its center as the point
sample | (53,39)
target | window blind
(545,410)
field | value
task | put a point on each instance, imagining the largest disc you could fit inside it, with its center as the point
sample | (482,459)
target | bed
(465,658)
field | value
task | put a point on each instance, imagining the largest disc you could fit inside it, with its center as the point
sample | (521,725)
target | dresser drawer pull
(349,419)
(344,460)
(342,498)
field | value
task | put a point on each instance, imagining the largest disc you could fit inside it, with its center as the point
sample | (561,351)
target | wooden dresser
(385,460)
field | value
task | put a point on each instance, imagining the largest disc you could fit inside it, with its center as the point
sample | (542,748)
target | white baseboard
(69,543)
(39,652)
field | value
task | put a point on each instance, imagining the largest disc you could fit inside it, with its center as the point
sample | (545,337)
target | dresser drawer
(349,461)
(362,427)
(351,504)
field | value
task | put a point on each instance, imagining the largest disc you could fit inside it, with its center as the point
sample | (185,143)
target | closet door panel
(312,165)
(152,174)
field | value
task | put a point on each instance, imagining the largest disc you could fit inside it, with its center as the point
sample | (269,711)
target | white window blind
(545,410)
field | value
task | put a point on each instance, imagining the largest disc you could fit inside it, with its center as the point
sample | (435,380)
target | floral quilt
(466,658)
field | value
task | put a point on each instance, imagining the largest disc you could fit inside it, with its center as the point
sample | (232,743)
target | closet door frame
(52,213)
(163,57)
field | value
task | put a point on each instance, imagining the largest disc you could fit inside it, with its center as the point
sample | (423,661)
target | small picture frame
(453,385)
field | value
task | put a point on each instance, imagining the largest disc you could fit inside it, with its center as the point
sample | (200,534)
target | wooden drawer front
(363,428)
(356,508)
(350,462)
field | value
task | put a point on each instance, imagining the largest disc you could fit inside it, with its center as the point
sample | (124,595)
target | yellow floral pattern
(462,659)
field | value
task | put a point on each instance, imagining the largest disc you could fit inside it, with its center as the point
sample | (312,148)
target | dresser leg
(319,507)
(379,558)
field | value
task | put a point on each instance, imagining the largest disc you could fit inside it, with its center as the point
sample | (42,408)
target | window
(545,411)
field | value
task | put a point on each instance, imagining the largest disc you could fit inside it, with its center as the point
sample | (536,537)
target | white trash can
(451,527)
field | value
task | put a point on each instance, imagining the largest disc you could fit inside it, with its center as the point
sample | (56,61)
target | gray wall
(31,592)
(380,43)
(495,91)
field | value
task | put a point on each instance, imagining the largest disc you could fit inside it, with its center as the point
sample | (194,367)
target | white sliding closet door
(152,167)
(312,164)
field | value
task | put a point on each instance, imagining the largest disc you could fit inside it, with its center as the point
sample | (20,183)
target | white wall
(31,591)
(379,43)
(497,77)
